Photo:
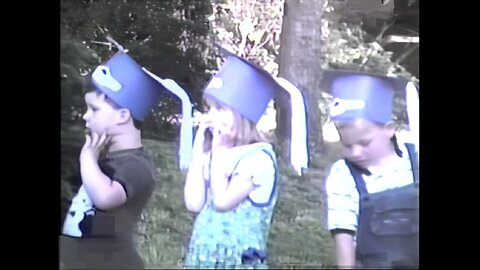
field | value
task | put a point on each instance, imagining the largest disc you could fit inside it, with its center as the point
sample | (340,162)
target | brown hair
(136,123)
(341,124)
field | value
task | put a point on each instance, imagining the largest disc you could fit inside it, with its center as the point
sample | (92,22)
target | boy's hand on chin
(94,144)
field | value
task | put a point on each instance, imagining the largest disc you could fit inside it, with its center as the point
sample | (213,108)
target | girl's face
(365,143)
(221,121)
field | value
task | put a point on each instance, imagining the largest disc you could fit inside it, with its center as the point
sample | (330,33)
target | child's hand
(201,137)
(93,145)
(221,137)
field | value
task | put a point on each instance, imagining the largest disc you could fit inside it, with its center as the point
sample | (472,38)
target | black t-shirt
(94,237)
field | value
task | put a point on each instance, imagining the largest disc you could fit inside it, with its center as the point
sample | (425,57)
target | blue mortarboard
(243,86)
(133,87)
(123,81)
(362,95)
(248,88)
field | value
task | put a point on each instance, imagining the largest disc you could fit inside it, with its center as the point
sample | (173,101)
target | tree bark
(300,63)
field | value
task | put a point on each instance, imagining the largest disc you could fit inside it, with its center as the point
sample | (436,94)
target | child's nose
(85,116)
(356,151)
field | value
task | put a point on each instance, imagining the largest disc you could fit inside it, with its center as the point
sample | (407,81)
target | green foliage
(75,61)
(167,37)
(166,224)
(250,28)
(348,46)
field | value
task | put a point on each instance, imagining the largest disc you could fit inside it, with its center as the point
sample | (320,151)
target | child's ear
(390,129)
(124,116)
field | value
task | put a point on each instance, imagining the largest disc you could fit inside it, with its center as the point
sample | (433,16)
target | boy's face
(100,115)
(365,143)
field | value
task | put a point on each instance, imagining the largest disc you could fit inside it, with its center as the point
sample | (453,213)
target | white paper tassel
(298,143)
(413,112)
(186,130)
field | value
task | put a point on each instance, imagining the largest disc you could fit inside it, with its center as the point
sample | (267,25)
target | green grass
(166,224)
(298,237)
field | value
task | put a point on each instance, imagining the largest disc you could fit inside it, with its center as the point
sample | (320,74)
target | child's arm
(194,191)
(342,213)
(227,194)
(105,193)
(344,250)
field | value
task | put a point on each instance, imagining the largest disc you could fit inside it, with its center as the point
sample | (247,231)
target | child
(232,181)
(372,198)
(99,226)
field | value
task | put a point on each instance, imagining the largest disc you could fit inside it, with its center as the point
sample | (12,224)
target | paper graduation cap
(247,89)
(370,96)
(130,86)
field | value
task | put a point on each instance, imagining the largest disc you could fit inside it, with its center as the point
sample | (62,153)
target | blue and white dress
(219,239)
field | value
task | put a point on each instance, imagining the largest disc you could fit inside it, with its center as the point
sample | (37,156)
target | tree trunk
(300,63)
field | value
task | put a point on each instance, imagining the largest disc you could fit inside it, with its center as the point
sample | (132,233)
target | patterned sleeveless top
(219,239)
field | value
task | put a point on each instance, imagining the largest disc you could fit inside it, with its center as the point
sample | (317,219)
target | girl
(232,182)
